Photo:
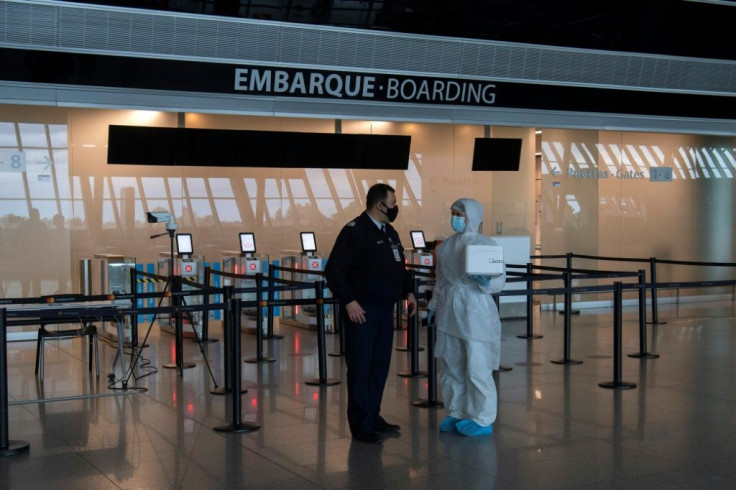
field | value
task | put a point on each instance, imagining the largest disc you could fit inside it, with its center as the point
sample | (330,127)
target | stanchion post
(567,279)
(237,424)
(227,327)
(259,325)
(529,306)
(134,304)
(206,313)
(319,287)
(653,278)
(270,296)
(617,314)
(431,401)
(568,266)
(7,447)
(412,324)
(643,354)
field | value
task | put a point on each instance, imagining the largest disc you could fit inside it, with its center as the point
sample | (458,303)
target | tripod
(174,285)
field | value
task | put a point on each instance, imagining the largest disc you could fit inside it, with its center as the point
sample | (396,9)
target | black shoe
(372,437)
(385,427)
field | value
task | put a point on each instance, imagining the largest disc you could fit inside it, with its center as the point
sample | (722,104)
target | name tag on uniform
(397,256)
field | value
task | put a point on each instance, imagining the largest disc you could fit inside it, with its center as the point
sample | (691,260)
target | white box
(484,260)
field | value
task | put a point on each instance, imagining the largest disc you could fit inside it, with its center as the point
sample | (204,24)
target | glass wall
(598,199)
(60,201)
(86,207)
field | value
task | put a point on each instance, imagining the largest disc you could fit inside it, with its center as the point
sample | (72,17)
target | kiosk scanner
(247,243)
(191,268)
(309,242)
(184,246)
(419,256)
(246,262)
(308,261)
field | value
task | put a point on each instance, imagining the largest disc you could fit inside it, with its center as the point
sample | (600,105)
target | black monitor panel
(417,240)
(497,154)
(184,245)
(139,145)
(309,242)
(247,243)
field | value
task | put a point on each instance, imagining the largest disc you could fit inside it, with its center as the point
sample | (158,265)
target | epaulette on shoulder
(352,223)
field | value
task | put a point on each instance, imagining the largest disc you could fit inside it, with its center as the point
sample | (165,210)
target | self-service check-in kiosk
(420,256)
(191,269)
(308,261)
(247,262)
(113,271)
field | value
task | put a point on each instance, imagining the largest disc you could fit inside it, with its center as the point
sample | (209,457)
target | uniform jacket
(362,265)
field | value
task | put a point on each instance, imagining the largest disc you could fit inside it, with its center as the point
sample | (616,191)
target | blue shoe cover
(448,424)
(470,428)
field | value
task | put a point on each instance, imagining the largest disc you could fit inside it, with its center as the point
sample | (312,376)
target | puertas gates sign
(125,72)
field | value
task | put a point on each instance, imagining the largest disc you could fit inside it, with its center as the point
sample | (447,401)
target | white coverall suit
(468,326)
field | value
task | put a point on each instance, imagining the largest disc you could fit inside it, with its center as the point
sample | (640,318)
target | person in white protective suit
(468,345)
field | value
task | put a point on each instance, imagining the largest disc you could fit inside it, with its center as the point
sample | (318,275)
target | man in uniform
(366,273)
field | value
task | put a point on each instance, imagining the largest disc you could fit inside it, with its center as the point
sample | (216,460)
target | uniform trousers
(368,349)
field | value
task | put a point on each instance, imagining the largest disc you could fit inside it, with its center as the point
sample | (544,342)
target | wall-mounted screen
(247,243)
(497,154)
(417,240)
(184,245)
(309,242)
(143,145)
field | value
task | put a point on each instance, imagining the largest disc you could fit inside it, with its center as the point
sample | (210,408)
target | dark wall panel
(139,145)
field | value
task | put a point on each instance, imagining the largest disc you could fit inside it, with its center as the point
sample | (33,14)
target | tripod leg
(199,343)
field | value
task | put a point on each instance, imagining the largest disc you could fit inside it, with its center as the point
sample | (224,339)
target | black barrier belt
(632,259)
(291,284)
(609,287)
(519,277)
(420,266)
(701,264)
(297,271)
(613,259)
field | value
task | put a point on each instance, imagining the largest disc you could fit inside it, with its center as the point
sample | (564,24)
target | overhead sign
(361,86)
(126,72)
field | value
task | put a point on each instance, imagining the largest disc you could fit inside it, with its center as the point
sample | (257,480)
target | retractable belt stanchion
(178,363)
(568,266)
(529,307)
(259,321)
(206,314)
(227,330)
(269,309)
(233,308)
(7,447)
(398,324)
(502,368)
(643,354)
(567,278)
(653,278)
(617,305)
(319,287)
(413,326)
(431,400)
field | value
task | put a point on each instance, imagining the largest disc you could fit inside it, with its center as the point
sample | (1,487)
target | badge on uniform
(397,256)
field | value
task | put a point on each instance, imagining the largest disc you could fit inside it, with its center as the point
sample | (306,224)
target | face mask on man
(458,223)
(391,213)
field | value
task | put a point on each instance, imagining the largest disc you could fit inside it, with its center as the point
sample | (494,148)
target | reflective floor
(556,427)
